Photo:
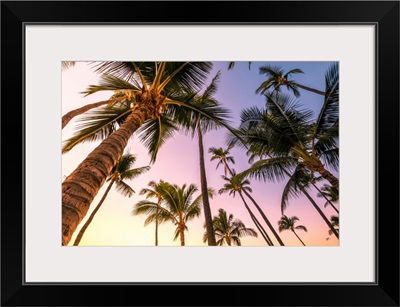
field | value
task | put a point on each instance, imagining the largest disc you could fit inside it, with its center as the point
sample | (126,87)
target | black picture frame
(383,14)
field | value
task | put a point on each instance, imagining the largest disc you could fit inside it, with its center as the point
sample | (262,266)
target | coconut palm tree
(299,183)
(228,230)
(330,193)
(154,90)
(119,174)
(223,156)
(287,223)
(236,184)
(177,206)
(277,77)
(153,192)
(200,126)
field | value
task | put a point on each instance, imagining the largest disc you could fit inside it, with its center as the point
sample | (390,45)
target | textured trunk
(320,212)
(265,218)
(182,235)
(256,222)
(84,227)
(326,198)
(308,88)
(317,166)
(204,191)
(298,238)
(71,114)
(82,185)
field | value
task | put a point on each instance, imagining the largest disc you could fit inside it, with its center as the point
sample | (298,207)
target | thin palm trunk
(298,237)
(228,240)
(253,217)
(156,230)
(265,218)
(267,238)
(82,185)
(71,114)
(308,88)
(84,227)
(204,191)
(326,198)
(320,212)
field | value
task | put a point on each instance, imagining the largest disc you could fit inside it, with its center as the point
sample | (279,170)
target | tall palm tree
(236,184)
(223,156)
(200,126)
(176,206)
(154,90)
(153,192)
(277,77)
(119,174)
(228,230)
(287,223)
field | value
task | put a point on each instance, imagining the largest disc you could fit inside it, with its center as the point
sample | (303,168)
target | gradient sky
(177,162)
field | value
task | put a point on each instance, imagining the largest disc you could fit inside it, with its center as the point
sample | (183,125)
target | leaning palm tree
(229,230)
(153,90)
(236,184)
(153,192)
(287,223)
(119,174)
(330,193)
(277,77)
(223,156)
(177,206)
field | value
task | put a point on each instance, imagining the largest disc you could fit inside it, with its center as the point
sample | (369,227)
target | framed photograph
(306,94)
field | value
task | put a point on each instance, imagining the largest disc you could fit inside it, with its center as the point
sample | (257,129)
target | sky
(177,163)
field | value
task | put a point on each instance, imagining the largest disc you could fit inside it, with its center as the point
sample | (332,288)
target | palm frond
(110,83)
(124,188)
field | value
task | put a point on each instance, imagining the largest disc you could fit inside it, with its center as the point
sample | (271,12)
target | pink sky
(177,162)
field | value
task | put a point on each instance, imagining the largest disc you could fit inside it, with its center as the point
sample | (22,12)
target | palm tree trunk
(204,190)
(267,238)
(182,234)
(84,227)
(298,238)
(320,212)
(323,195)
(328,176)
(265,218)
(228,240)
(82,185)
(71,114)
(253,217)
(308,88)
(156,230)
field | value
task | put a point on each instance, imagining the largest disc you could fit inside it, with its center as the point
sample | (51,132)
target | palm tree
(153,192)
(121,172)
(228,230)
(176,207)
(237,184)
(335,223)
(299,182)
(154,90)
(200,126)
(223,156)
(330,193)
(286,223)
(277,77)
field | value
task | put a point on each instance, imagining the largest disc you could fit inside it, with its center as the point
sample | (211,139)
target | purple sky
(177,162)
